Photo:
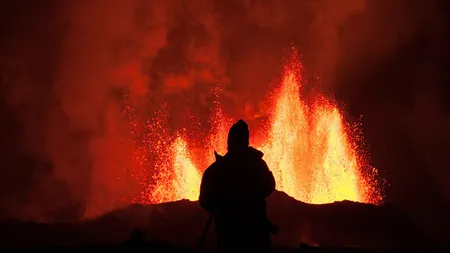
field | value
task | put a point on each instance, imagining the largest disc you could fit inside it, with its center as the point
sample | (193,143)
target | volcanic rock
(181,223)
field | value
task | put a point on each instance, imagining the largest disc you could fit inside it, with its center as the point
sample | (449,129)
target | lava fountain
(308,149)
(306,146)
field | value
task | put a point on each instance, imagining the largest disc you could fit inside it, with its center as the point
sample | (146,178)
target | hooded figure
(234,190)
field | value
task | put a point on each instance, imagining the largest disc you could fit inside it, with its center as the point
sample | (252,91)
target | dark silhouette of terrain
(180,224)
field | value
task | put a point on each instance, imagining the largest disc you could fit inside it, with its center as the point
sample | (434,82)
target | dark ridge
(339,224)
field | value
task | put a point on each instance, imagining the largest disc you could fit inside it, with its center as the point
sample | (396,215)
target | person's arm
(267,181)
(207,198)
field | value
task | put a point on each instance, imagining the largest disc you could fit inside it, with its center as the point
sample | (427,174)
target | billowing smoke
(67,67)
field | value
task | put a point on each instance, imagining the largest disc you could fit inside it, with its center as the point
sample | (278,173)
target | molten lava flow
(221,125)
(286,150)
(187,178)
(336,177)
(306,147)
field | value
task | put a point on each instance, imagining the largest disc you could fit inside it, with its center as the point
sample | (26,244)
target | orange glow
(308,149)
(306,146)
(187,178)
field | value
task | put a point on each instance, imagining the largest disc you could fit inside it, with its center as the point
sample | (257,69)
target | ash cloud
(65,68)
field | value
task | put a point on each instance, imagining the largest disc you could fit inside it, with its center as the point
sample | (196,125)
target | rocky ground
(180,224)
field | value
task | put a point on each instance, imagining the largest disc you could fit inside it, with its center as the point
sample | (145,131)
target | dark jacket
(234,189)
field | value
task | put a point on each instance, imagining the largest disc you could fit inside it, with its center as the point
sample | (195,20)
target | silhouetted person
(234,189)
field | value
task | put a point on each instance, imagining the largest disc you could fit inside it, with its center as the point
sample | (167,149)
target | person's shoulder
(257,157)
(255,152)
(211,168)
(219,158)
(215,165)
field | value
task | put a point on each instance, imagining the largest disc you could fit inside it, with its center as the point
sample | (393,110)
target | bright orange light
(306,147)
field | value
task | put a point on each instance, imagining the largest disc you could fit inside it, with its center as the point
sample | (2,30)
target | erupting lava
(306,146)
